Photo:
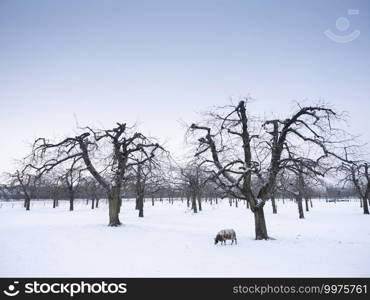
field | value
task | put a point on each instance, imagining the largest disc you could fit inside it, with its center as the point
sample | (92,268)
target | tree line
(234,155)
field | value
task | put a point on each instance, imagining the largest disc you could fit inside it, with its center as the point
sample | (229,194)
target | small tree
(72,178)
(142,173)
(92,190)
(55,188)
(357,173)
(27,183)
(194,180)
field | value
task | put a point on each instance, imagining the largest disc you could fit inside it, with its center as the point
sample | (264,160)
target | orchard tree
(72,178)
(5,192)
(357,174)
(92,190)
(237,147)
(296,179)
(155,182)
(142,172)
(194,179)
(106,154)
(54,184)
(145,174)
(25,181)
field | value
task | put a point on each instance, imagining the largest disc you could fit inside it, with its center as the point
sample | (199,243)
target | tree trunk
(311,202)
(71,200)
(365,206)
(153,201)
(306,201)
(274,209)
(236,202)
(199,203)
(114,208)
(260,224)
(27,203)
(188,201)
(97,202)
(92,203)
(54,203)
(137,202)
(194,204)
(140,205)
(300,207)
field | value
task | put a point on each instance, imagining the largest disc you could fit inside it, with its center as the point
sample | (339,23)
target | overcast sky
(160,62)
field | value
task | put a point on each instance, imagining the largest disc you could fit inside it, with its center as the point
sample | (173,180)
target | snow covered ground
(170,241)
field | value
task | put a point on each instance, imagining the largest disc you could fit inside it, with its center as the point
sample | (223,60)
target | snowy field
(170,241)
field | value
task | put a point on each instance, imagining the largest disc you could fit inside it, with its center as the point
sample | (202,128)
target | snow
(259,202)
(170,241)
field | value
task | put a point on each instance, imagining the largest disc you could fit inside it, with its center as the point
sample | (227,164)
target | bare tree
(27,183)
(145,172)
(54,184)
(142,172)
(106,154)
(92,190)
(194,180)
(72,178)
(357,173)
(294,180)
(236,148)
(155,183)
(5,192)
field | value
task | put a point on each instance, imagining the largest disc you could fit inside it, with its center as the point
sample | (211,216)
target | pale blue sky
(158,62)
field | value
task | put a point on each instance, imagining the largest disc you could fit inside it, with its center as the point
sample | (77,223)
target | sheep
(226,234)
